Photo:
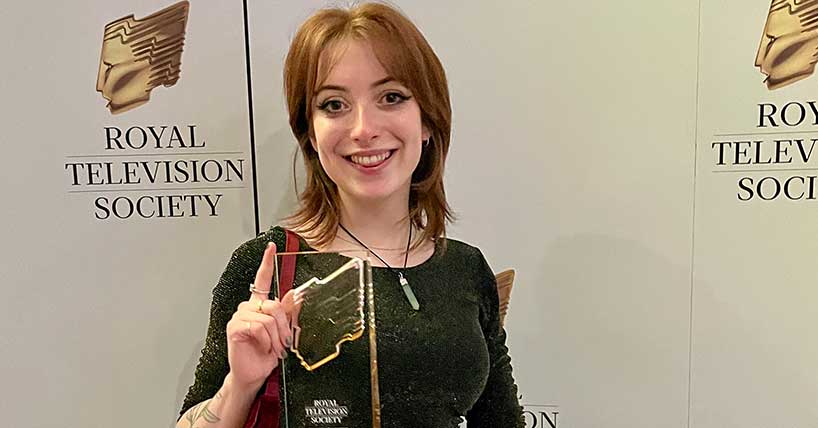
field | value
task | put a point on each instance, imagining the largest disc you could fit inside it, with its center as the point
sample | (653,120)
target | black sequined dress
(440,363)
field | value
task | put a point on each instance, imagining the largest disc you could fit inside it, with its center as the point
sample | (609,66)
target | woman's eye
(331,106)
(394,98)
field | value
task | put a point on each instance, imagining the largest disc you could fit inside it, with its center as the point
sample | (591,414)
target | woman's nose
(365,127)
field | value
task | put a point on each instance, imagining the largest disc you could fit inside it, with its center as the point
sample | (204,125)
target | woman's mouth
(370,161)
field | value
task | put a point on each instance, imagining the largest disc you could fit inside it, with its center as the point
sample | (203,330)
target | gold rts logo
(789,47)
(141,54)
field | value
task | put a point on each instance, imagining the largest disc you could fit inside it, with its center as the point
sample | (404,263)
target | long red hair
(407,57)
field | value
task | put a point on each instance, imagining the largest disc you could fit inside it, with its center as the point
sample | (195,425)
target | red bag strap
(285,280)
(266,409)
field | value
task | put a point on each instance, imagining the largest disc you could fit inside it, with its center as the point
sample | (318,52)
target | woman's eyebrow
(330,88)
(380,82)
(340,88)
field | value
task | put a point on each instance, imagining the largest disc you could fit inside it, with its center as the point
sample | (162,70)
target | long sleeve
(231,290)
(498,405)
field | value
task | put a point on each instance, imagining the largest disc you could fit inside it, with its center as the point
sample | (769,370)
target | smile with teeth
(370,160)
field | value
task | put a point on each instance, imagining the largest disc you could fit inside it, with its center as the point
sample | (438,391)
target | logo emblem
(789,46)
(141,54)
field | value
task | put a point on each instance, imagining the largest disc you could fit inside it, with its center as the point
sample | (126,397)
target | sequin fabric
(447,361)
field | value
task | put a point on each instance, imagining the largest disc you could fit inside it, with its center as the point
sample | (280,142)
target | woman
(369,106)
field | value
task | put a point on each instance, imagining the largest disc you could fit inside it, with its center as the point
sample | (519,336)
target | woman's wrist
(227,409)
(239,391)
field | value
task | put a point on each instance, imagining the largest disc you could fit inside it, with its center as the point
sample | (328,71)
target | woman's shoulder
(245,260)
(463,257)
(251,251)
(457,249)
(274,234)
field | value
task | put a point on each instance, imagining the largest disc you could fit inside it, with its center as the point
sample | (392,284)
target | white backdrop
(102,320)
(755,351)
(647,294)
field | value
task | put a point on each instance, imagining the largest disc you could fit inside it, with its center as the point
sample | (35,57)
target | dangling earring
(426,142)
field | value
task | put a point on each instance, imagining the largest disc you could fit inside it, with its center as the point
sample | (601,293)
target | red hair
(407,57)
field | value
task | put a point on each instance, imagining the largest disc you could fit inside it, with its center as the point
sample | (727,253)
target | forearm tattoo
(202,412)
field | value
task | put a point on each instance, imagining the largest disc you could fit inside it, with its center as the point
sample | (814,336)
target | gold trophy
(336,307)
(325,385)
(789,47)
(139,55)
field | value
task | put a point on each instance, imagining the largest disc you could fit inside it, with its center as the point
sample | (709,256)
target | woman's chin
(374,194)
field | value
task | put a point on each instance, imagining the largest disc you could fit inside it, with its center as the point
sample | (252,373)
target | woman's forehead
(350,60)
(356,60)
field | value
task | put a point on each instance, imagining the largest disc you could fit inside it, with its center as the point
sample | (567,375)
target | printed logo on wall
(151,171)
(541,415)
(774,159)
(789,43)
(140,54)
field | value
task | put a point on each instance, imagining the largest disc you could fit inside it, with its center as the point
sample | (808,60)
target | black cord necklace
(407,290)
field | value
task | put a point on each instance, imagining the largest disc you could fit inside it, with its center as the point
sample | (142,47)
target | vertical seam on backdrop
(250,115)
(693,220)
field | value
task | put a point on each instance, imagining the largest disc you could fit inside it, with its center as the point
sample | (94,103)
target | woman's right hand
(259,333)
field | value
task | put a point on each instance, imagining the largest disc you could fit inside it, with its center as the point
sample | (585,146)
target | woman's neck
(383,226)
(383,223)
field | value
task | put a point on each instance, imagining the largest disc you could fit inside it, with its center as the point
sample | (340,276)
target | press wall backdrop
(654,193)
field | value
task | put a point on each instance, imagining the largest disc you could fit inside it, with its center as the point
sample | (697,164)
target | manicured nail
(289,341)
(284,354)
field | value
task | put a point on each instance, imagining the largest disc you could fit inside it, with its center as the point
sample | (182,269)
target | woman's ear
(312,141)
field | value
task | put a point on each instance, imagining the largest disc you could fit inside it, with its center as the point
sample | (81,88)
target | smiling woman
(360,72)
(367,130)
(369,106)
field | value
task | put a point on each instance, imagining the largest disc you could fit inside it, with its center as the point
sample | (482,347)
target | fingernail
(284,354)
(289,341)
(269,244)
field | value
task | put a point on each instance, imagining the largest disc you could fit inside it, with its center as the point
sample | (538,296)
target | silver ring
(253,289)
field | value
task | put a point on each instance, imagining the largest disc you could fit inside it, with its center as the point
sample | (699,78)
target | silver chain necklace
(407,290)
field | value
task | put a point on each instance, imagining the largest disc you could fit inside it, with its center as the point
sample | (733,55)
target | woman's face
(367,127)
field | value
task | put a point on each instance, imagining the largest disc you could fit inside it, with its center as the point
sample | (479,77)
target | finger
(277,345)
(276,310)
(240,329)
(264,274)
(252,305)
(264,330)
(290,305)
(261,334)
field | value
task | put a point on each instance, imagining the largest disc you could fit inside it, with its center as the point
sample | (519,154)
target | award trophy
(786,53)
(330,379)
